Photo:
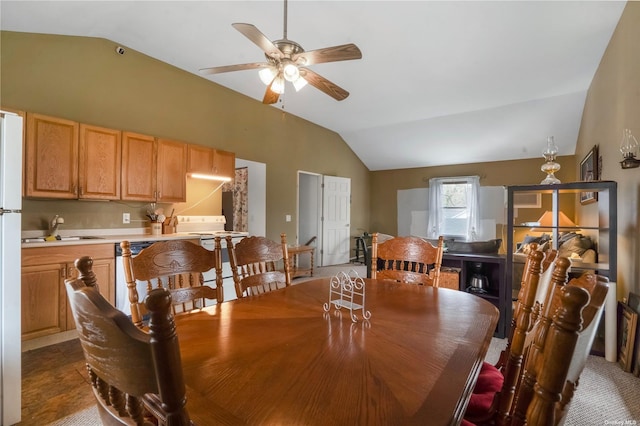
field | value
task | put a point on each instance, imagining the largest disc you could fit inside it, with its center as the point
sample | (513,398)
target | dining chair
(135,376)
(496,384)
(259,265)
(560,342)
(597,286)
(407,259)
(523,371)
(177,265)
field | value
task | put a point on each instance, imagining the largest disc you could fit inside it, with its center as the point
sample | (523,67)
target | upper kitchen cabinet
(153,170)
(138,167)
(224,163)
(65,159)
(172,171)
(51,157)
(211,161)
(99,166)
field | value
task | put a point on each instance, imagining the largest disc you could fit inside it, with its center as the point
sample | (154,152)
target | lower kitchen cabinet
(45,309)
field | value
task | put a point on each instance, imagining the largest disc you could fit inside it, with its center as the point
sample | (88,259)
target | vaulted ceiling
(439,82)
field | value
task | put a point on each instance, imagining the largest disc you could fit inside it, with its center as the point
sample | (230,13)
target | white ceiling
(439,83)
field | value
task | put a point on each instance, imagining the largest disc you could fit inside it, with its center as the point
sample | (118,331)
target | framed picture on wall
(589,169)
(634,303)
(627,322)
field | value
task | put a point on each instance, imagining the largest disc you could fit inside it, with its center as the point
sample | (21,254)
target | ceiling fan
(287,61)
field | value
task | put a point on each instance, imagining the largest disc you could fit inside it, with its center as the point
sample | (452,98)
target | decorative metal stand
(347,291)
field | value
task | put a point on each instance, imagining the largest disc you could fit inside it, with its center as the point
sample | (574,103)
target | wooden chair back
(134,375)
(596,287)
(259,265)
(528,348)
(177,265)
(537,402)
(512,358)
(407,259)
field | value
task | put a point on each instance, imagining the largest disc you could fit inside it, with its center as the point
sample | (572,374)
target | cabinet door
(99,165)
(138,167)
(200,159)
(224,164)
(172,171)
(51,157)
(43,300)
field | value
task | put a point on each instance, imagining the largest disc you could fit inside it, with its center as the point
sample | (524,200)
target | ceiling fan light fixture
(299,83)
(278,85)
(267,75)
(291,72)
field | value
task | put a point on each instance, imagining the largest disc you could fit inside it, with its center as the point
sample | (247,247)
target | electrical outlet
(287,218)
(126,218)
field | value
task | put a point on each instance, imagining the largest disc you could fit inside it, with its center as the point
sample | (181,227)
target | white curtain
(435,226)
(435,208)
(473,207)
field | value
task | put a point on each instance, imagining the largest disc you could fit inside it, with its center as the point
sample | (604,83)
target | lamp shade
(546,221)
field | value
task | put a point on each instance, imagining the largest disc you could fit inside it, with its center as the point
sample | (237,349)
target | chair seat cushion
(490,379)
(489,382)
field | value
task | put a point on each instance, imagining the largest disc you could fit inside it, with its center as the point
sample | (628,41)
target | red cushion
(466,423)
(489,382)
(479,405)
(490,379)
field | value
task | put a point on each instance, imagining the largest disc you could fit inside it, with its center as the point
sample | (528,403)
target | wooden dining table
(281,359)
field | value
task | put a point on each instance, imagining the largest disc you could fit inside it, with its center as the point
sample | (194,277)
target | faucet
(53,225)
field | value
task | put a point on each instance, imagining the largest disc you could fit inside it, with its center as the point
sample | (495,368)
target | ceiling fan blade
(324,85)
(344,52)
(229,68)
(259,39)
(270,97)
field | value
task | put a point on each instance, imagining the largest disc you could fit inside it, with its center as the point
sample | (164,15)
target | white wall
(413,210)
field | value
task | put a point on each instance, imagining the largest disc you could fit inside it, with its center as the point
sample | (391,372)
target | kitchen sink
(71,238)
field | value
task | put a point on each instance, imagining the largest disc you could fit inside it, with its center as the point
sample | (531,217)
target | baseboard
(52,339)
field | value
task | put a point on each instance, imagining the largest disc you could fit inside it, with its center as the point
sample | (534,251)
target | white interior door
(336,214)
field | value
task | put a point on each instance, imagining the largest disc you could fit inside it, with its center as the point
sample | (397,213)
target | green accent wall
(84,79)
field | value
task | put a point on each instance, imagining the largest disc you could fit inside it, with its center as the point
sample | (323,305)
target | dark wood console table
(494,268)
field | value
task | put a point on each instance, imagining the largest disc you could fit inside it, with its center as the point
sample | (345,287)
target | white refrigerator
(10,238)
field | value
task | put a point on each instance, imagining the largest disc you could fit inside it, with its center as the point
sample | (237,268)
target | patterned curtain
(240,198)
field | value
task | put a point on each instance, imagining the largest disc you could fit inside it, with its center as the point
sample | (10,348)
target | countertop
(103,236)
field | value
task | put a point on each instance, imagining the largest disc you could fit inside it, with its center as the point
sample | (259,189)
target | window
(453,207)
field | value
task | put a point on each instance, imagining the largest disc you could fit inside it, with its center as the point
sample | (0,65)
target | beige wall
(385,184)
(613,103)
(83,79)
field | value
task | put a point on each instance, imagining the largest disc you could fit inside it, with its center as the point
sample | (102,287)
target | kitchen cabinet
(493,267)
(99,163)
(68,160)
(211,161)
(138,167)
(51,157)
(153,169)
(172,171)
(596,204)
(45,310)
(224,163)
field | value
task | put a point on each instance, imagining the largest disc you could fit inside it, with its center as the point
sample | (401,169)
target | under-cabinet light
(210,177)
